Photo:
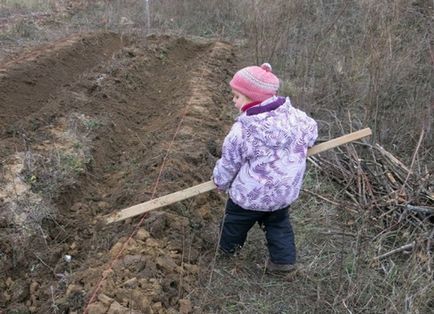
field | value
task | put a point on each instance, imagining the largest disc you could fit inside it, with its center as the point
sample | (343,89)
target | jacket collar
(252,108)
(249,105)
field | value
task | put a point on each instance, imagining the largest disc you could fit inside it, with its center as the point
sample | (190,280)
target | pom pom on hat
(266,67)
(257,83)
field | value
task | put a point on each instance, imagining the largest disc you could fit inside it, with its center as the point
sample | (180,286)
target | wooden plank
(339,141)
(209,185)
(160,202)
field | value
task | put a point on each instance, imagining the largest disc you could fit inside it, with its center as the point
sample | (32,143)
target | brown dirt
(27,82)
(85,124)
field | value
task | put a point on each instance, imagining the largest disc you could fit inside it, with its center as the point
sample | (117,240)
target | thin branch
(321,197)
(420,209)
(422,133)
(397,250)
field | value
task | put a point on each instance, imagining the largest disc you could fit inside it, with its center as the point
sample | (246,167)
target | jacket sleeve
(228,166)
(312,132)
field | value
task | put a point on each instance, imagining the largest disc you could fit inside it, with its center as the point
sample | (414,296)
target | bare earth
(85,123)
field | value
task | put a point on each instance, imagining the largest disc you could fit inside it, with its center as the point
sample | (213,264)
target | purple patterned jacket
(264,155)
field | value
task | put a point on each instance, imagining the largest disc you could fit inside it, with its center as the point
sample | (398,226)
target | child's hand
(219,190)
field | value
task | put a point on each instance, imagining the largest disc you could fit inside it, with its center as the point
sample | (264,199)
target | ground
(93,123)
(86,123)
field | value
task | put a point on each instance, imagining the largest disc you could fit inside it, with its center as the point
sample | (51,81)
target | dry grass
(31,181)
(51,170)
(337,270)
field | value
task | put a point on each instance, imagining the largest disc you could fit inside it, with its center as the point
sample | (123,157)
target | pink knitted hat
(257,83)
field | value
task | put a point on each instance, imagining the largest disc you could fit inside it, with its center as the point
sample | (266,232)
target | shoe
(280,268)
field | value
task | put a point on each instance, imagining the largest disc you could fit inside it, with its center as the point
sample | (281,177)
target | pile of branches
(374,180)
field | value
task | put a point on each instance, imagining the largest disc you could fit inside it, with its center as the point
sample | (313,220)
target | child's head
(254,83)
(239,99)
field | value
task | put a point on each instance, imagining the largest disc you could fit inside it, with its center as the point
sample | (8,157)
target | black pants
(278,231)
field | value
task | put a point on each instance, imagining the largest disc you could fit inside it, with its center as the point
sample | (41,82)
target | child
(262,165)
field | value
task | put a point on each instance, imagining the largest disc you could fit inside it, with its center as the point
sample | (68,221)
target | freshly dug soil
(85,125)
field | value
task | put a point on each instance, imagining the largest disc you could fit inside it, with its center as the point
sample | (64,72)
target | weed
(31,179)
(92,124)
(232,307)
(70,163)
(77,145)
(162,55)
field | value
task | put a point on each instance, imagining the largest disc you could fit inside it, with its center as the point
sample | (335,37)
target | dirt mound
(91,140)
(27,82)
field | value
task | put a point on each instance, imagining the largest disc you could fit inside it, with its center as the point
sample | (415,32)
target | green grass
(92,124)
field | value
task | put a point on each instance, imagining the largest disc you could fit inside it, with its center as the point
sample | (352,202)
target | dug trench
(86,126)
